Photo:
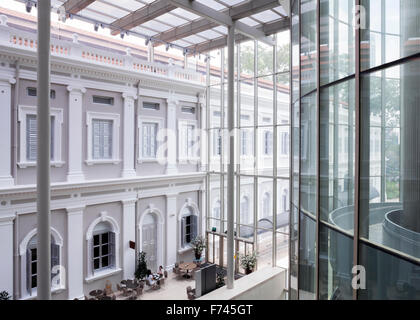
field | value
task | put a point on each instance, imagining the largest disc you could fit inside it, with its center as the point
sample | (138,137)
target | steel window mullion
(357,148)
(300,149)
(317,149)
(255,151)
(274,154)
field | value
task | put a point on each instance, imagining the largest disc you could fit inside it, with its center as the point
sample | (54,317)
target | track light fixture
(96,27)
(122,34)
(167,46)
(147,41)
(185,52)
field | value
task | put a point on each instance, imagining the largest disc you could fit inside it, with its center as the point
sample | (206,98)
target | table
(188,266)
(95,293)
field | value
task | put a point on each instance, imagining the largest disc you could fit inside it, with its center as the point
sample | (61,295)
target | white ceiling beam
(75,6)
(142,15)
(221,18)
(202,24)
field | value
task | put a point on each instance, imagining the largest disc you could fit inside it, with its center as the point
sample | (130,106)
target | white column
(6,253)
(75,243)
(6,179)
(171,230)
(171,167)
(75,142)
(129,234)
(129,134)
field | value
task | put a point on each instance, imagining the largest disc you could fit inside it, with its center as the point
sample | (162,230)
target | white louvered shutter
(31,134)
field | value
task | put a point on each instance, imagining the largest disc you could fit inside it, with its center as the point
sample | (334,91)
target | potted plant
(141,271)
(248,262)
(4,295)
(199,244)
(220,279)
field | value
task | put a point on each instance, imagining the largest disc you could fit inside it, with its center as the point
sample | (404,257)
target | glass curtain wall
(262,137)
(355,149)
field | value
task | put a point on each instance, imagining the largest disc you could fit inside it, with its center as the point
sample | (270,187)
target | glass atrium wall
(355,148)
(262,152)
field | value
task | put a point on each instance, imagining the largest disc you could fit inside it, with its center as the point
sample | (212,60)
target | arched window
(189,226)
(28,252)
(216,210)
(244,210)
(266,204)
(103,246)
(268,143)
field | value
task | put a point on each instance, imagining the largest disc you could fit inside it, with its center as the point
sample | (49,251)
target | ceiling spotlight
(127,33)
(28,6)
(102,26)
(71,16)
(96,27)
(122,34)
(185,52)
(167,46)
(146,42)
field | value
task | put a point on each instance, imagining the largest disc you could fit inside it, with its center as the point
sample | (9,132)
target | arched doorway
(149,240)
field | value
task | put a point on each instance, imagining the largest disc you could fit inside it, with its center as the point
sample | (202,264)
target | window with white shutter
(31,137)
(187,140)
(268,143)
(189,226)
(149,143)
(102,139)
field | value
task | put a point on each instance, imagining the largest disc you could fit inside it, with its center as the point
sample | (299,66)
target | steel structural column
(231,160)
(43,152)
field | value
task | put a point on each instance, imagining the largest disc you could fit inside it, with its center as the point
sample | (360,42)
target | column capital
(129,95)
(127,202)
(76,88)
(75,210)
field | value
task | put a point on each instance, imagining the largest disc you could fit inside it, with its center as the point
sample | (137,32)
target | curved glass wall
(355,167)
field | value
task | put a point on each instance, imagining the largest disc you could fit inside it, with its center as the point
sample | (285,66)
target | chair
(165,274)
(130,283)
(162,281)
(190,293)
(139,291)
(153,286)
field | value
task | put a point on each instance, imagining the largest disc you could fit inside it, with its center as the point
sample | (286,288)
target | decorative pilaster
(171,230)
(75,142)
(6,253)
(129,134)
(203,136)
(6,179)
(75,252)
(129,234)
(171,166)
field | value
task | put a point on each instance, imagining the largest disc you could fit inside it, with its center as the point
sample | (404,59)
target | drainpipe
(15,123)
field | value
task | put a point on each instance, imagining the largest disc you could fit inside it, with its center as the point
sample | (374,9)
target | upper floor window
(246,142)
(28,136)
(217,143)
(149,132)
(268,143)
(103,246)
(189,226)
(190,110)
(244,210)
(31,138)
(266,204)
(151,105)
(102,139)
(103,100)
(284,147)
(187,140)
(32,92)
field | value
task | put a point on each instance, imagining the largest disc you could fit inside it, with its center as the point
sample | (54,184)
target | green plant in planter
(4,295)
(199,244)
(141,271)
(248,262)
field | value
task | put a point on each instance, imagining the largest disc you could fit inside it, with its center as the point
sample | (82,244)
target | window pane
(307,258)
(388,277)
(390,175)
(335,264)
(337,132)
(308,156)
(391,32)
(308,53)
(337,40)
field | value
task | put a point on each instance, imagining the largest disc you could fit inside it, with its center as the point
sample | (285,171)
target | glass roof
(109,11)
